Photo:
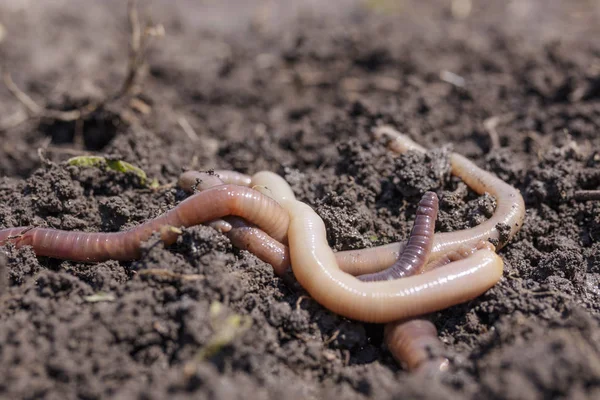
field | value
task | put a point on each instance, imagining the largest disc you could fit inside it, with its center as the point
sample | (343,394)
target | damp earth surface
(255,85)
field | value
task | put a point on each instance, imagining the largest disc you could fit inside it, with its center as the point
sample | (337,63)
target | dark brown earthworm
(416,252)
(200,208)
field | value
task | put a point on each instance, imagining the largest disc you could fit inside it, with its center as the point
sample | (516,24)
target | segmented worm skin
(416,252)
(315,267)
(415,343)
(241,234)
(458,254)
(200,208)
(256,241)
(509,212)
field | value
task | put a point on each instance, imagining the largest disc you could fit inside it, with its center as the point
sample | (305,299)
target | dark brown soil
(297,90)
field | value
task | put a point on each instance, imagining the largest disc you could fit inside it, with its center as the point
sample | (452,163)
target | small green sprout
(114,165)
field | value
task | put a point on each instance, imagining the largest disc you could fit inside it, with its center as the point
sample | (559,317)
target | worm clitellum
(200,208)
(315,267)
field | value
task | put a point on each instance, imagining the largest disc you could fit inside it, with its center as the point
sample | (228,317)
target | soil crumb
(297,88)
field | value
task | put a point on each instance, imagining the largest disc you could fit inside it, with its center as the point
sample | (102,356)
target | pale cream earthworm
(509,213)
(316,269)
(501,227)
(253,239)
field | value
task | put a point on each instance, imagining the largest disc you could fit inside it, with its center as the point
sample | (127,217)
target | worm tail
(415,343)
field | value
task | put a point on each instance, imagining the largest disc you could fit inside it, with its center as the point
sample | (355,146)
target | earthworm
(190,180)
(259,243)
(416,252)
(509,211)
(509,214)
(240,233)
(315,267)
(202,207)
(415,343)
(269,250)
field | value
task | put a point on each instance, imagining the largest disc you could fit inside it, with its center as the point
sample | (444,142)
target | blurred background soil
(296,88)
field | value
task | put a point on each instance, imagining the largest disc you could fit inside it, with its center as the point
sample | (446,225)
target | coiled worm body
(315,267)
(509,214)
(241,234)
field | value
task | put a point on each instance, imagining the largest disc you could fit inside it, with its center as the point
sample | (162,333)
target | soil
(297,90)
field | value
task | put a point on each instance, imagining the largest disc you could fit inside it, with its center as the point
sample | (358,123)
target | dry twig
(138,44)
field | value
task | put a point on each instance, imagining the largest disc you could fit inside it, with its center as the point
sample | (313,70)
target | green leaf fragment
(86,161)
(115,165)
(225,331)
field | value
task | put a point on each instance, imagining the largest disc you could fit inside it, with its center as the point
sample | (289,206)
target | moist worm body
(509,212)
(200,208)
(418,248)
(415,343)
(316,269)
(241,234)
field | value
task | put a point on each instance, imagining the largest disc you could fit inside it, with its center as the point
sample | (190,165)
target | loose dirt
(297,90)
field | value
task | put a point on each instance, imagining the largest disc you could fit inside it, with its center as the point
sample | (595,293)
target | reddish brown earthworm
(269,250)
(415,343)
(241,234)
(509,212)
(416,252)
(315,267)
(203,207)
(256,241)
